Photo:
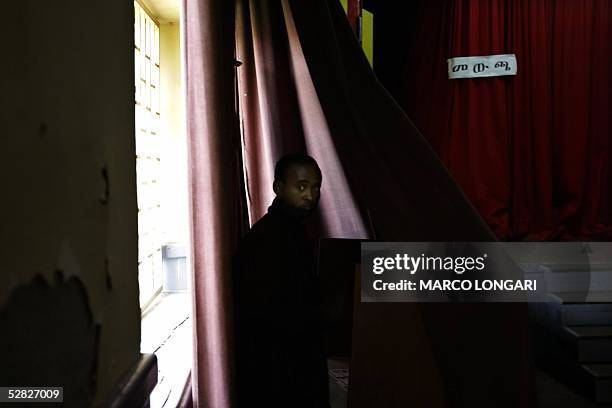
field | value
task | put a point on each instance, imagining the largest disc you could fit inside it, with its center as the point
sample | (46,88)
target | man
(279,358)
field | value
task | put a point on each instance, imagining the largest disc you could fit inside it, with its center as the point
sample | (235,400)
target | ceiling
(165,11)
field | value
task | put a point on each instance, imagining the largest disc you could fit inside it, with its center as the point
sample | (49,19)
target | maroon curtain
(268,107)
(215,183)
(531,151)
(281,113)
(304,84)
(382,175)
(402,186)
(411,197)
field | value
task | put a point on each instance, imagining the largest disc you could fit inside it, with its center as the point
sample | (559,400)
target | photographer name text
(457,285)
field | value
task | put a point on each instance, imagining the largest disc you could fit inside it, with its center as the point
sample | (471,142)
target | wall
(367,31)
(68,288)
(174,155)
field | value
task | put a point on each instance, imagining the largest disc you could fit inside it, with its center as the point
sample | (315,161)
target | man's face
(301,188)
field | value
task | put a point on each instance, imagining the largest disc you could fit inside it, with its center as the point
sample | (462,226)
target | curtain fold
(411,196)
(281,114)
(269,109)
(215,190)
(580,130)
(342,218)
(400,181)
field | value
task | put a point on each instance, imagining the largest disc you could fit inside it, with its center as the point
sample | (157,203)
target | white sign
(482,66)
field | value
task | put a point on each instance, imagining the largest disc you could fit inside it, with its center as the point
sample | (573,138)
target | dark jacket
(279,358)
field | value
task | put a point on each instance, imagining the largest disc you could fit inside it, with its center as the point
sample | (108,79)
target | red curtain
(530,151)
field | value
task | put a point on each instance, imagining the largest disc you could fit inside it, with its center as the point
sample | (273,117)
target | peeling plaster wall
(68,201)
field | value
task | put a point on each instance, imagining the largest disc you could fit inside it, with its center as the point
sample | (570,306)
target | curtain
(215,190)
(384,179)
(380,167)
(304,84)
(407,192)
(410,196)
(280,114)
(530,151)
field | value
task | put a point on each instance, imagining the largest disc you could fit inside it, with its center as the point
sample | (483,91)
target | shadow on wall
(49,339)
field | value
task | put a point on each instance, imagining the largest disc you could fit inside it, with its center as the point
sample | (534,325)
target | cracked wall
(68,280)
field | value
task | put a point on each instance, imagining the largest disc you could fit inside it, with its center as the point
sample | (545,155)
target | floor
(166,331)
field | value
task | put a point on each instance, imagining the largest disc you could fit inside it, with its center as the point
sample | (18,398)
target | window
(163,233)
(148,154)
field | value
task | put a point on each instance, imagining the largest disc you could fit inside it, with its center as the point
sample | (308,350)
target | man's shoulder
(261,226)
(263,230)
(262,242)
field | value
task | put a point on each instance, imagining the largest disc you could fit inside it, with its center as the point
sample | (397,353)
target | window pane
(148,38)
(156,45)
(142,31)
(146,77)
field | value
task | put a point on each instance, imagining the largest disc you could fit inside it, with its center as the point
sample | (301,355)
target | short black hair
(283,164)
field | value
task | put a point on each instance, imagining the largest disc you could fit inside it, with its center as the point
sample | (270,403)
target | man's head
(297,182)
